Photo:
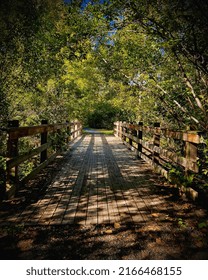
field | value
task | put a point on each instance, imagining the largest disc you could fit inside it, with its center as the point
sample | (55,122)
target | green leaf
(202,225)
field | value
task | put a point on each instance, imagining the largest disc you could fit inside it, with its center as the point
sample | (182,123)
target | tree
(148,59)
(180,28)
(37,38)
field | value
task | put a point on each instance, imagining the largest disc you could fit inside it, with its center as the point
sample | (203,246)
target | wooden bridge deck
(101,182)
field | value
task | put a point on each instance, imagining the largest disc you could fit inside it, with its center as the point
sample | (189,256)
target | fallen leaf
(155,215)
(109,231)
(199,244)
(117,225)
(158,240)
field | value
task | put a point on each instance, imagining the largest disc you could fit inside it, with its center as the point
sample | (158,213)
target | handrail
(68,130)
(152,150)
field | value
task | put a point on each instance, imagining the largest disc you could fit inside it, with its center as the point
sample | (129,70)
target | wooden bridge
(101,181)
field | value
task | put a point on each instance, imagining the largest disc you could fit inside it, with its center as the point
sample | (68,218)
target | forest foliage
(132,60)
(103,61)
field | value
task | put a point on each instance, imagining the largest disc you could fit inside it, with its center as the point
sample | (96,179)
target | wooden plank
(20,132)
(185,136)
(189,136)
(74,131)
(168,156)
(44,140)
(39,168)
(17,160)
(140,127)
(12,151)
(188,163)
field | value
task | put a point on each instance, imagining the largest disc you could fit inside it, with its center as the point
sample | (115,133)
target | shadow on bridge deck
(103,185)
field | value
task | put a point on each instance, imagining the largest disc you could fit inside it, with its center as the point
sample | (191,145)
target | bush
(103,116)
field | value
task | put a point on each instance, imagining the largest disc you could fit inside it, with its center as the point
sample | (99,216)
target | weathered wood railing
(42,143)
(154,151)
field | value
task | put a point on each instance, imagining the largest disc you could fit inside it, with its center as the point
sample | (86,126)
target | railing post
(59,141)
(156,143)
(139,136)
(80,127)
(76,132)
(116,129)
(119,129)
(44,139)
(72,130)
(12,151)
(124,131)
(191,153)
(77,129)
(67,132)
(2,182)
(134,132)
(130,132)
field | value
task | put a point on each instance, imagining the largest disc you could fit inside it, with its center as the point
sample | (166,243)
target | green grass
(96,130)
(105,131)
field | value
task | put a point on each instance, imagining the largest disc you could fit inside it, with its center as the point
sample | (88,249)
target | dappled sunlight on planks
(101,183)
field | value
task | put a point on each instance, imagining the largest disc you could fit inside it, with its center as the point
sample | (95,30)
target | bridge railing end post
(44,140)
(156,144)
